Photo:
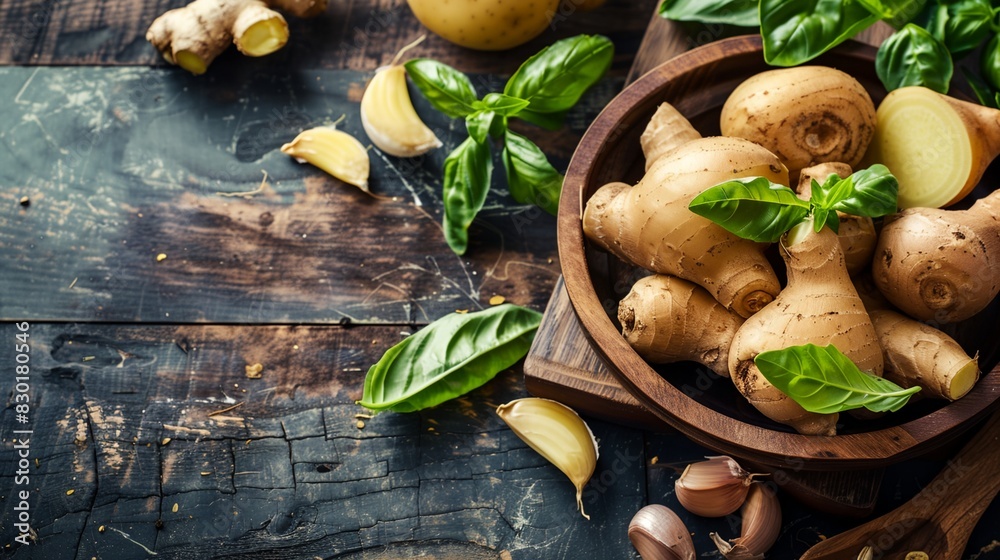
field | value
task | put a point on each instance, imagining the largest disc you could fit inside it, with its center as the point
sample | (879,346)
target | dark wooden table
(148,284)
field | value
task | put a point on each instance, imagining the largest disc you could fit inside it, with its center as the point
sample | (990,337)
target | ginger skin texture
(191,37)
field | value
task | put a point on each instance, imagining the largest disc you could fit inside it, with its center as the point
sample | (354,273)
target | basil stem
(447,89)
(467,171)
(449,357)
(795,31)
(823,380)
(913,57)
(555,78)
(733,12)
(530,176)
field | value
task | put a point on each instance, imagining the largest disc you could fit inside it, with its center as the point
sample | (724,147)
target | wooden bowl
(705,407)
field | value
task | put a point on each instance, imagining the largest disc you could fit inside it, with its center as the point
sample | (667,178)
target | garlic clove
(760,527)
(334,151)
(657,533)
(557,433)
(713,488)
(389,119)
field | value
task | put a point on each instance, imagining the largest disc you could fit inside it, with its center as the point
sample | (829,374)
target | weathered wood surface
(351,34)
(130,452)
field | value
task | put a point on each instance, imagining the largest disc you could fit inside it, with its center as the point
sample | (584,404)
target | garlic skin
(760,528)
(713,488)
(557,433)
(657,533)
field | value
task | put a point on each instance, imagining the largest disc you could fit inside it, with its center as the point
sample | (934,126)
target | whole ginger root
(191,37)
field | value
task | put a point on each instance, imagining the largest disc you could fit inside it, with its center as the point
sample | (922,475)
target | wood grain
(128,418)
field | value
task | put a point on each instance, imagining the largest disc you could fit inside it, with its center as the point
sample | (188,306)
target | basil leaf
(447,89)
(984,93)
(555,78)
(530,176)
(989,62)
(873,194)
(449,357)
(548,121)
(753,208)
(479,124)
(963,25)
(795,31)
(504,104)
(913,57)
(897,12)
(832,191)
(467,171)
(823,380)
(733,12)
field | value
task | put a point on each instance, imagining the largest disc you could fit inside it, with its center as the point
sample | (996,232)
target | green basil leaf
(449,357)
(467,171)
(795,31)
(874,193)
(733,12)
(530,176)
(548,121)
(913,57)
(823,380)
(753,208)
(447,89)
(555,78)
(504,104)
(897,12)
(989,62)
(479,125)
(832,191)
(966,25)
(983,92)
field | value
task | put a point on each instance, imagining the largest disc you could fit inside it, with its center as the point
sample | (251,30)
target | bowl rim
(704,425)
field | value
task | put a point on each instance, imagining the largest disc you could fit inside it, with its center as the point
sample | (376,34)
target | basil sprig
(542,90)
(930,36)
(449,357)
(757,209)
(823,380)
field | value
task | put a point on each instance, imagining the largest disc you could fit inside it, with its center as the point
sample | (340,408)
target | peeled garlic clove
(558,434)
(659,534)
(389,118)
(760,527)
(334,151)
(713,488)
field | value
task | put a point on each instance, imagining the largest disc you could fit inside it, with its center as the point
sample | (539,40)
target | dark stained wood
(140,444)
(349,35)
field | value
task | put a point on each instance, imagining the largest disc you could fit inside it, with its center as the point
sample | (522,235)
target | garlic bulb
(760,528)
(713,488)
(659,534)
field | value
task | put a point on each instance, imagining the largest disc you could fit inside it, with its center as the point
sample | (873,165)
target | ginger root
(191,37)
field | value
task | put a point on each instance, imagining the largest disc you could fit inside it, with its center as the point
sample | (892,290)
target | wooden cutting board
(562,364)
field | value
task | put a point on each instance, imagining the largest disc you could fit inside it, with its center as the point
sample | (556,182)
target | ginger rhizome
(191,37)
(649,224)
(819,305)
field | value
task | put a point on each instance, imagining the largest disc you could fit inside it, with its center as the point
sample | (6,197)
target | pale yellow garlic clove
(334,151)
(657,533)
(867,553)
(389,118)
(760,527)
(713,488)
(557,433)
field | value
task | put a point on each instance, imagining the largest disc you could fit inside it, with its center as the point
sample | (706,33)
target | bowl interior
(690,397)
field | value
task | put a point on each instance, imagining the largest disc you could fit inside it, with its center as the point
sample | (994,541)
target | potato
(489,25)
